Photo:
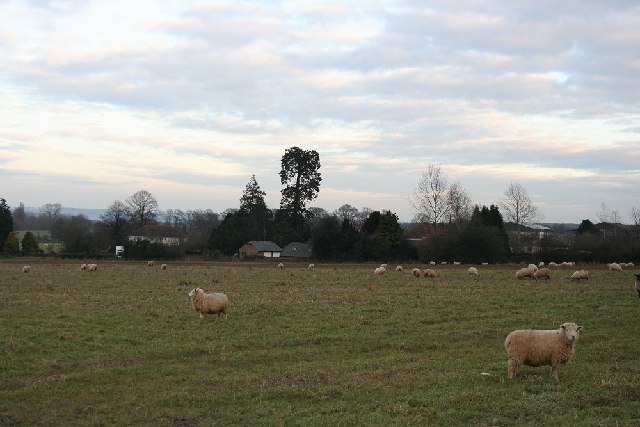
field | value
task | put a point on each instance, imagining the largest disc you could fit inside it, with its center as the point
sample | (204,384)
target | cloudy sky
(188,99)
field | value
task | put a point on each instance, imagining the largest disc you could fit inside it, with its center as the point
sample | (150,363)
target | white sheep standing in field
(379,271)
(533,267)
(630,264)
(553,265)
(430,273)
(83,267)
(473,272)
(614,266)
(311,266)
(580,275)
(26,269)
(399,268)
(432,263)
(524,272)
(542,273)
(92,267)
(541,347)
(541,264)
(150,263)
(213,303)
(416,272)
(281,266)
(163,267)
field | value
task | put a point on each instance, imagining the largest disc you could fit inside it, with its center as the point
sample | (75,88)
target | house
(260,248)
(156,233)
(296,250)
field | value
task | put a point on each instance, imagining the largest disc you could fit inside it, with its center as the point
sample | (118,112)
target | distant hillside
(92,214)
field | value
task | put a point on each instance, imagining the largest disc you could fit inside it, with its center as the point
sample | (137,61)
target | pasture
(335,345)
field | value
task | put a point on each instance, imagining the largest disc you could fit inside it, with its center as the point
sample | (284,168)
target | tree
(634,214)
(430,197)
(459,204)
(253,206)
(19,217)
(116,221)
(143,208)
(586,226)
(11,245)
(174,218)
(6,221)
(29,244)
(51,211)
(300,175)
(76,232)
(518,208)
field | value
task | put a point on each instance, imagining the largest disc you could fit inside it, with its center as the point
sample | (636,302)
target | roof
(156,230)
(265,246)
(297,249)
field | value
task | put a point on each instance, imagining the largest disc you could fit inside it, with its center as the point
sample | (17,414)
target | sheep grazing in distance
(473,272)
(92,267)
(26,269)
(214,303)
(524,272)
(485,263)
(580,275)
(542,273)
(444,263)
(430,273)
(637,285)
(553,265)
(379,271)
(83,267)
(432,263)
(150,263)
(541,264)
(533,267)
(311,266)
(630,264)
(399,268)
(456,262)
(163,267)
(541,347)
(416,272)
(281,266)
(614,266)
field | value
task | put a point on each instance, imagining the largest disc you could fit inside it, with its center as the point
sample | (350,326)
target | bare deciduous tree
(459,204)
(429,198)
(634,214)
(50,211)
(518,208)
(144,208)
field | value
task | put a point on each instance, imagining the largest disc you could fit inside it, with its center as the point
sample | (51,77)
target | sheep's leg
(511,369)
(554,371)
(201,316)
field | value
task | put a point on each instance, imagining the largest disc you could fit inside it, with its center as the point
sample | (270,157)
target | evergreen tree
(254,209)
(29,244)
(11,245)
(6,221)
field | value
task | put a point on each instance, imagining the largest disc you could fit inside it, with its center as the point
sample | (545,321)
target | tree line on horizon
(446,225)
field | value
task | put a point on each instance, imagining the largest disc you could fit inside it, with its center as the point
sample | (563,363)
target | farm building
(296,250)
(260,248)
(157,233)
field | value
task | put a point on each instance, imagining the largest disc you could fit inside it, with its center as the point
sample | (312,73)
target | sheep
(430,273)
(630,264)
(540,347)
(543,273)
(214,303)
(150,263)
(533,267)
(541,264)
(553,265)
(311,266)
(83,267)
(163,267)
(432,263)
(26,269)
(485,263)
(473,272)
(379,271)
(637,285)
(456,262)
(614,266)
(281,266)
(444,263)
(399,268)
(92,267)
(580,275)
(524,272)
(416,272)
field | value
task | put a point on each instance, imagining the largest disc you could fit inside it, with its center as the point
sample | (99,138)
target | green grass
(335,345)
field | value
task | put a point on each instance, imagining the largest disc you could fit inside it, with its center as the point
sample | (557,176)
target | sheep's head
(571,331)
(194,292)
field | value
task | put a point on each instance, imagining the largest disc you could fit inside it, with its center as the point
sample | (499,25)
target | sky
(189,99)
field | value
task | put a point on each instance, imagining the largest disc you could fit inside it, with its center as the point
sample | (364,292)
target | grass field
(331,346)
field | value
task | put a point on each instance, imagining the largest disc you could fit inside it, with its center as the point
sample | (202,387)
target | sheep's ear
(579,328)
(562,327)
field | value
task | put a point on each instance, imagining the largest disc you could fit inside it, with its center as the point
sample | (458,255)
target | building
(260,248)
(157,233)
(296,250)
